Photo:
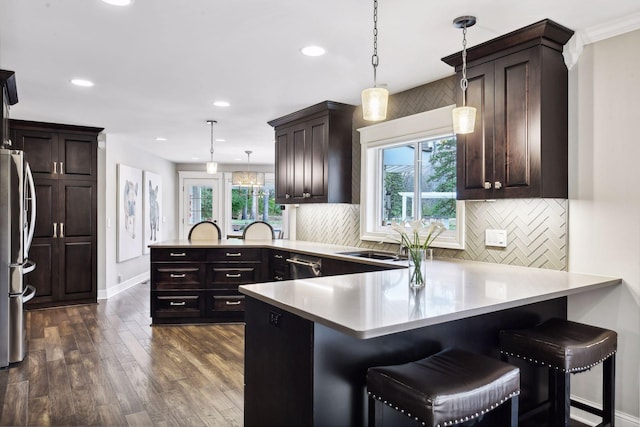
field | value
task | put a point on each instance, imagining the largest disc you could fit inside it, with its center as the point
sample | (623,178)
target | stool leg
(513,403)
(372,412)
(560,396)
(608,391)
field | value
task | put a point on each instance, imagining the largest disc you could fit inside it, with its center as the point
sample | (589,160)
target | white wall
(114,277)
(604,205)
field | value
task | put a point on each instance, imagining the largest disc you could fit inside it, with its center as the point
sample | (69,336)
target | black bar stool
(567,348)
(447,388)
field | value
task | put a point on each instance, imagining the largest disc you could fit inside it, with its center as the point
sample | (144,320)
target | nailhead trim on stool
(572,370)
(451,422)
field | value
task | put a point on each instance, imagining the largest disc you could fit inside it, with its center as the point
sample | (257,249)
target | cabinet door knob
(487,185)
(286,196)
(498,185)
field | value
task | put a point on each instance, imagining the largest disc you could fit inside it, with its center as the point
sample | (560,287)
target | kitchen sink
(384,256)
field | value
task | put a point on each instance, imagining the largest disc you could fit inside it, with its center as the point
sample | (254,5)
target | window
(409,172)
(253,204)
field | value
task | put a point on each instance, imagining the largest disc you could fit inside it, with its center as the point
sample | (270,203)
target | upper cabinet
(519,85)
(58,151)
(313,154)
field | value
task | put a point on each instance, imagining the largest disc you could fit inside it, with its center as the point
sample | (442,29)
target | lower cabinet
(200,285)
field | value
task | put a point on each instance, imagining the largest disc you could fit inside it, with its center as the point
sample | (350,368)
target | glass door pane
(201,201)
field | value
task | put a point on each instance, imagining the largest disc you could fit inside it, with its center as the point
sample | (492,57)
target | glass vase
(417,267)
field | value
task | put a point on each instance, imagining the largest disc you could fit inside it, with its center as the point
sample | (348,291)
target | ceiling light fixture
(313,51)
(464,118)
(212,167)
(375,99)
(221,103)
(160,138)
(118,2)
(247,178)
(82,82)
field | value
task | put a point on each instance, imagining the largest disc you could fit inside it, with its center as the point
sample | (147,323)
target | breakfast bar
(309,342)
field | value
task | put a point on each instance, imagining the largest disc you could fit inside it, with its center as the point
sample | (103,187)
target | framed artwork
(152,202)
(129,213)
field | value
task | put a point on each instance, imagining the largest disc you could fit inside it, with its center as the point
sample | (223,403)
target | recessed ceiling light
(313,51)
(82,82)
(118,2)
(221,103)
(161,139)
(219,140)
(195,158)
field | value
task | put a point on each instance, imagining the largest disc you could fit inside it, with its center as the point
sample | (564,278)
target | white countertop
(368,305)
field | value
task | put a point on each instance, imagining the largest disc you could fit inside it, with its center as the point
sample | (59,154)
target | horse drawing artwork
(154,212)
(130,193)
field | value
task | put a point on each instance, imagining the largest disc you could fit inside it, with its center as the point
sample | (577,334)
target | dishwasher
(305,267)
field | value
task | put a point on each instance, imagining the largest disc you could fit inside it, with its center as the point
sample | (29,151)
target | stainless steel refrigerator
(17,223)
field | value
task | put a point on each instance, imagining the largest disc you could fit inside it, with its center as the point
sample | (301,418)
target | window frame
(418,127)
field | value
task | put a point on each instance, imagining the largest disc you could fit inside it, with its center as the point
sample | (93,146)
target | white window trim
(427,125)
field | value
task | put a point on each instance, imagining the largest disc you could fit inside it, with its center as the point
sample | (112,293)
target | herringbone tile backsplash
(536,230)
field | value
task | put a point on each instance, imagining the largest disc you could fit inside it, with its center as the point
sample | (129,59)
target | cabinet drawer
(177,276)
(177,254)
(233,276)
(234,254)
(218,303)
(172,305)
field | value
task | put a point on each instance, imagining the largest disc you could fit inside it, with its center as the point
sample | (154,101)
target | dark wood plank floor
(103,364)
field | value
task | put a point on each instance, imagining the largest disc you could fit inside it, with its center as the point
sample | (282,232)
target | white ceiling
(158,65)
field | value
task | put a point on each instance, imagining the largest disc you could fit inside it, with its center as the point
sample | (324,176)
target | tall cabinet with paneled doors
(519,84)
(63,159)
(313,154)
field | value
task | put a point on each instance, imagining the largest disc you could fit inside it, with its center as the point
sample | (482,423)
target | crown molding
(611,28)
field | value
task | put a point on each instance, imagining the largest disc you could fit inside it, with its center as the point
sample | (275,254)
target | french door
(200,202)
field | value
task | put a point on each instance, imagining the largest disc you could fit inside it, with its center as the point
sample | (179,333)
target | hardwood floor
(105,365)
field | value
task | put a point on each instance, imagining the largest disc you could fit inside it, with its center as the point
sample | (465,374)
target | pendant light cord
(212,122)
(374,58)
(464,83)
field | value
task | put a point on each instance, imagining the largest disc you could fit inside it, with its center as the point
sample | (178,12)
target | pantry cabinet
(519,85)
(63,159)
(313,154)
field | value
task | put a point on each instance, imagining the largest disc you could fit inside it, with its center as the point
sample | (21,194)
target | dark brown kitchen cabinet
(63,160)
(518,83)
(313,154)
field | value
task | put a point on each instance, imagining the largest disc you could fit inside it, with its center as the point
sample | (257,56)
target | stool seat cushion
(560,344)
(449,386)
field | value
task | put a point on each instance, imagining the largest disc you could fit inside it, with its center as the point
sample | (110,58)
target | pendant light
(375,99)
(212,167)
(464,118)
(247,178)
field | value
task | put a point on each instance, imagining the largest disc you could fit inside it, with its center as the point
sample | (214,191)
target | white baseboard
(116,289)
(622,419)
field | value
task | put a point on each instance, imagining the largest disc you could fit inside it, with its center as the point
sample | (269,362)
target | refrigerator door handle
(32,207)
(28,266)
(28,294)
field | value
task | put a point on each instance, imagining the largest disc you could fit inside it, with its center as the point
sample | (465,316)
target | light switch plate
(495,238)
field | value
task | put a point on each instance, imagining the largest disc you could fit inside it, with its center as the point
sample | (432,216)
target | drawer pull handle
(233,275)
(234,253)
(276,256)
(177,254)
(178,276)
(233,302)
(178,303)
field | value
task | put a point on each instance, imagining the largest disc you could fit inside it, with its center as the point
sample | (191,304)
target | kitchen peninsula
(308,343)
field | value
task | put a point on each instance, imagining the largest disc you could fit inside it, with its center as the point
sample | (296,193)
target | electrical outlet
(495,238)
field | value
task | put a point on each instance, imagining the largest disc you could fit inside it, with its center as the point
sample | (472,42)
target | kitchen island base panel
(298,372)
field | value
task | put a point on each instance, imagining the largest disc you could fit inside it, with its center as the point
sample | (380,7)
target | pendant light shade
(375,99)
(212,167)
(247,178)
(374,103)
(464,118)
